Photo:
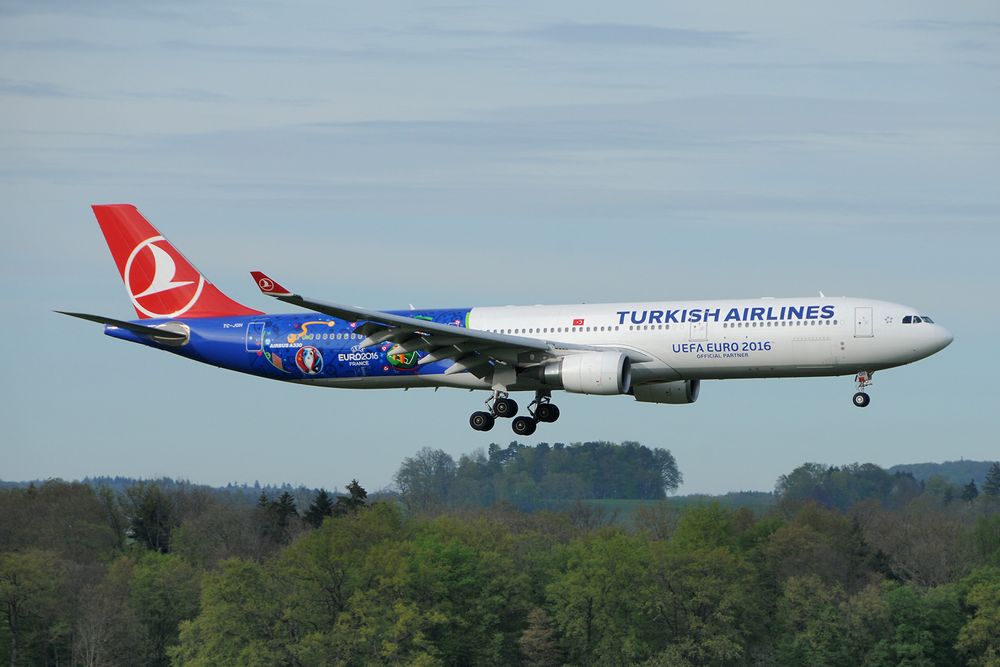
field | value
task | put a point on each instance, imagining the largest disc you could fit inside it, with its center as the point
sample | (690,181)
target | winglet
(269,286)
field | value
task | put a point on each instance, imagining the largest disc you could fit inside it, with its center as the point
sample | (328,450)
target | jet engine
(591,373)
(676,392)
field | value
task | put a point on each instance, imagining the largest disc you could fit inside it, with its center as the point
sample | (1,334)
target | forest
(506,557)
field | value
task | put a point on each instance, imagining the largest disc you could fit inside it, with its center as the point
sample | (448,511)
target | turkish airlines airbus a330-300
(656,352)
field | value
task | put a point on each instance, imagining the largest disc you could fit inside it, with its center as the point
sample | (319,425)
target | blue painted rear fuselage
(296,348)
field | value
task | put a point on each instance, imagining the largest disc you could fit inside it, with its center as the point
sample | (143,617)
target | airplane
(656,352)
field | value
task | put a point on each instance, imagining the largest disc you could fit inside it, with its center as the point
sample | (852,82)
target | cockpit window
(908,319)
(927,319)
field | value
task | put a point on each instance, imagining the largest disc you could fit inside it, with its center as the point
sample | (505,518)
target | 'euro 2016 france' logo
(309,360)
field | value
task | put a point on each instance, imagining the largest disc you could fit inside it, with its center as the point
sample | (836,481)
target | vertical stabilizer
(159,280)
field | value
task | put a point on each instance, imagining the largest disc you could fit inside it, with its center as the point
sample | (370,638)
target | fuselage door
(863,322)
(255,336)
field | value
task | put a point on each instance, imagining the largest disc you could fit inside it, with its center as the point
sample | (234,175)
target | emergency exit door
(863,323)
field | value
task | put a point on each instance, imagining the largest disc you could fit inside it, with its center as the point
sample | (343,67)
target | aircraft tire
(547,412)
(861,399)
(481,421)
(523,425)
(505,407)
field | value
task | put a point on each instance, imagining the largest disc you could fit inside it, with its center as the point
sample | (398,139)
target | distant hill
(956,472)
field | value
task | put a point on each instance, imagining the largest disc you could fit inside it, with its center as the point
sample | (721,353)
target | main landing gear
(499,405)
(864,380)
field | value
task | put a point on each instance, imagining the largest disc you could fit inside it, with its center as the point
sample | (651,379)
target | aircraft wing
(471,349)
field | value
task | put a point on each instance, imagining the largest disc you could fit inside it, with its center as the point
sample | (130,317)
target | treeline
(536,477)
(845,486)
(157,577)
(231,492)
(956,472)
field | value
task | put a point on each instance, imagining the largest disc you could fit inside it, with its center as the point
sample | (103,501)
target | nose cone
(942,338)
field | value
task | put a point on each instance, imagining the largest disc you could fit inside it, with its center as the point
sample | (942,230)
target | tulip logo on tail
(151,278)
(309,360)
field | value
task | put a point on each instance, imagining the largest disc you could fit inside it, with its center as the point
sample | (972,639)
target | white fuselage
(746,338)
(712,339)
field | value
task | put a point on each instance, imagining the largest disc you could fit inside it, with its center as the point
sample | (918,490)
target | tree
(991,485)
(283,509)
(241,620)
(29,594)
(603,601)
(538,641)
(163,592)
(969,491)
(151,517)
(351,503)
(425,479)
(979,638)
(320,508)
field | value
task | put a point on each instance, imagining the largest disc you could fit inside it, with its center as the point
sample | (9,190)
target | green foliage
(538,644)
(955,472)
(320,508)
(599,602)
(896,579)
(535,477)
(164,591)
(151,516)
(30,588)
(66,518)
(986,539)
(241,621)
(979,638)
(991,485)
(842,487)
(355,499)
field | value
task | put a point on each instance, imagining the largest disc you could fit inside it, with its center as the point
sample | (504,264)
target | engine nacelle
(603,373)
(676,392)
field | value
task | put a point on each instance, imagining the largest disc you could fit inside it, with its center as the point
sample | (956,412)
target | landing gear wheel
(547,412)
(861,399)
(481,421)
(523,425)
(505,407)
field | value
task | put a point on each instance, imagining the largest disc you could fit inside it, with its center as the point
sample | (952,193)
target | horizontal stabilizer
(162,335)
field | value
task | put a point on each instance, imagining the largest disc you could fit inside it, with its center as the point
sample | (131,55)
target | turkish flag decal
(578,322)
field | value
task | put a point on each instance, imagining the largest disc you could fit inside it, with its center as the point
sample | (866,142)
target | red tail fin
(157,277)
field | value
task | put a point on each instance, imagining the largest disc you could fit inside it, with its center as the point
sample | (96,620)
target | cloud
(621,34)
(183,11)
(947,25)
(33,89)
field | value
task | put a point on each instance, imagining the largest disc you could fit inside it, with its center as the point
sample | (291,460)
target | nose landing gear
(864,380)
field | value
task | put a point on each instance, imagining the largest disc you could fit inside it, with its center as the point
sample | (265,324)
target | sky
(451,154)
